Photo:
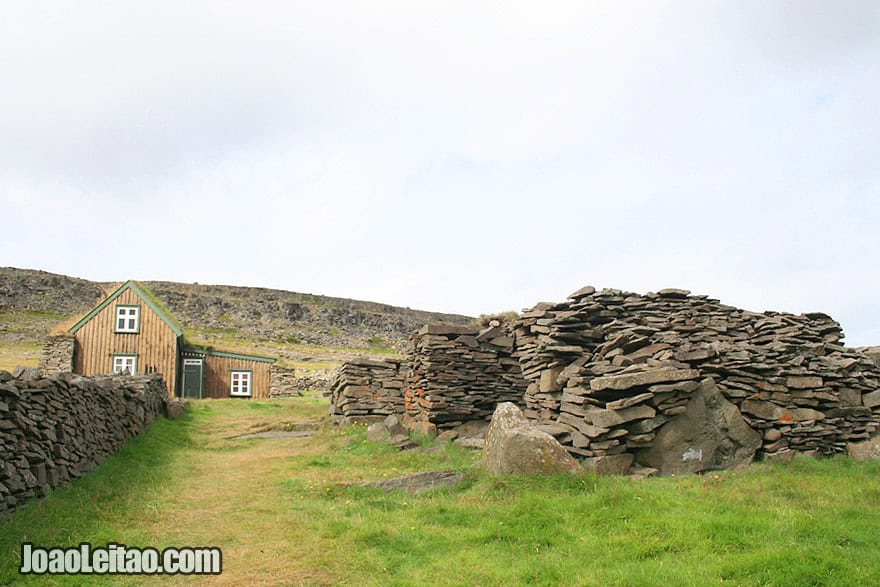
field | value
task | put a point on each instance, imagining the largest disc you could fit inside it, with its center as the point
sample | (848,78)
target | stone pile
(56,355)
(366,390)
(608,369)
(458,374)
(56,428)
(283,382)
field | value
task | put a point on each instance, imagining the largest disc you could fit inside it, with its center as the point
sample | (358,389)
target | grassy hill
(306,330)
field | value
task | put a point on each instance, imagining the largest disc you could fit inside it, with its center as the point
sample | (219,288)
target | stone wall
(57,354)
(283,382)
(56,428)
(365,390)
(608,369)
(458,374)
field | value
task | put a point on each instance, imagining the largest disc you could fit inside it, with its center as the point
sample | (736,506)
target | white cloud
(459,156)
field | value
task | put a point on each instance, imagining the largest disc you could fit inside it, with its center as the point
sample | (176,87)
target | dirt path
(236,495)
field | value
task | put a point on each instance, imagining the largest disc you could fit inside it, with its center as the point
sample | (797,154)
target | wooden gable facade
(130,331)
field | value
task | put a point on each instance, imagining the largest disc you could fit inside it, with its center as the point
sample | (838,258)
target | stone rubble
(56,355)
(366,390)
(607,369)
(459,374)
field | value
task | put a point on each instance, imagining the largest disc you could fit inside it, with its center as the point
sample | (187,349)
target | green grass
(14,353)
(290,512)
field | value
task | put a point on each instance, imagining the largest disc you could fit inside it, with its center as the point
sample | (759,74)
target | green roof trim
(143,293)
(214,353)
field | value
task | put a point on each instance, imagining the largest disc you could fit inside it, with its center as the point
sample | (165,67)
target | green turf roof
(143,293)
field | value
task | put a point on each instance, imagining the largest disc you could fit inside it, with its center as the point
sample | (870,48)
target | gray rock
(419,482)
(869,450)
(629,401)
(610,418)
(674,293)
(710,434)
(377,432)
(27,373)
(394,426)
(803,382)
(447,435)
(401,441)
(174,408)
(473,429)
(609,464)
(583,292)
(769,411)
(871,400)
(513,446)
(783,456)
(629,380)
(472,443)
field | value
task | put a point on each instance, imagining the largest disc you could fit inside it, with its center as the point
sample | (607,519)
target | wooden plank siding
(217,376)
(155,344)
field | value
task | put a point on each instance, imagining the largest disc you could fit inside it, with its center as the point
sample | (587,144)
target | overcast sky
(465,157)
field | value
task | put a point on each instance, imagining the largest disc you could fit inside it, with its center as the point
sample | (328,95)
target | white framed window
(240,383)
(128,318)
(125,364)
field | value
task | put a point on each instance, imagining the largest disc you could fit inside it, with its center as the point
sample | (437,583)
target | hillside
(296,326)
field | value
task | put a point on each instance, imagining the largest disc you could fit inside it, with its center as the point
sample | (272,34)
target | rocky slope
(249,312)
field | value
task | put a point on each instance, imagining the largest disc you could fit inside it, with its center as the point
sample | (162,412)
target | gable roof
(141,292)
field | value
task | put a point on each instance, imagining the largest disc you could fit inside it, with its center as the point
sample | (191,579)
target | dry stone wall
(608,369)
(458,374)
(283,382)
(56,428)
(57,354)
(365,390)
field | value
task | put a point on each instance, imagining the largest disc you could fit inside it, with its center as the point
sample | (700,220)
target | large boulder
(514,446)
(868,450)
(710,434)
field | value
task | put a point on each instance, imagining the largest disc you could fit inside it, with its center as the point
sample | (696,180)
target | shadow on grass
(123,492)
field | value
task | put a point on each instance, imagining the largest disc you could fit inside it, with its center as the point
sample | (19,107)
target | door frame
(191,362)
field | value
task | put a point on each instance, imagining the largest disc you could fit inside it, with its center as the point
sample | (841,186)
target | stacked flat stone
(607,369)
(56,428)
(283,382)
(56,355)
(458,374)
(366,390)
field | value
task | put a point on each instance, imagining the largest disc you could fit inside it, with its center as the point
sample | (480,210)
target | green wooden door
(193,378)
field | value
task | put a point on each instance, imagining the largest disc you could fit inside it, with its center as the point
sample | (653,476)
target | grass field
(14,353)
(284,512)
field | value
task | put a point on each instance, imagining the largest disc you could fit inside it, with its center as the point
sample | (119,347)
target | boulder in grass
(514,446)
(868,450)
(377,432)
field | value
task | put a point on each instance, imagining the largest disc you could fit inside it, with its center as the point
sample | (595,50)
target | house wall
(155,344)
(217,376)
